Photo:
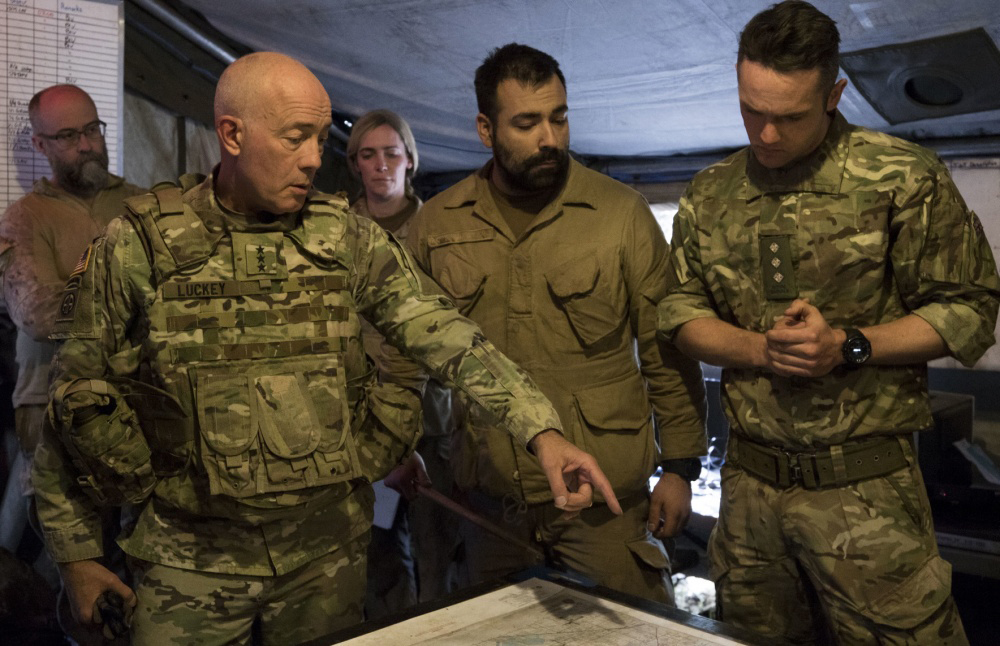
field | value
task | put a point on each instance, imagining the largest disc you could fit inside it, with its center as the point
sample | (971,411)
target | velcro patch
(83,262)
(71,293)
(76,316)
(258,255)
(777,268)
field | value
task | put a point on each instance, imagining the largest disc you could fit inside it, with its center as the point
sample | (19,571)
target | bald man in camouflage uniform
(822,267)
(213,381)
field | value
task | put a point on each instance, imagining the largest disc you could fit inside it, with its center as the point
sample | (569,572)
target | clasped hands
(802,343)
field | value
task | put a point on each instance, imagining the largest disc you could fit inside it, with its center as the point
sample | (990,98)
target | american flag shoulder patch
(81,265)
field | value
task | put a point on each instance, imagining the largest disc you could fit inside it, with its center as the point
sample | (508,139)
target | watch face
(857,349)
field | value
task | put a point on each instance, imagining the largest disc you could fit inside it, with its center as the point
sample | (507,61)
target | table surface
(543,608)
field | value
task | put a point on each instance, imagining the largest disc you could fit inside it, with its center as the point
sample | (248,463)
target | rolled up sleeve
(944,267)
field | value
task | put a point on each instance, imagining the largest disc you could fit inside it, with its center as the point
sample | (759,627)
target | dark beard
(525,175)
(86,176)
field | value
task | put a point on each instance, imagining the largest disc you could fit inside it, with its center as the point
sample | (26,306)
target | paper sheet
(539,613)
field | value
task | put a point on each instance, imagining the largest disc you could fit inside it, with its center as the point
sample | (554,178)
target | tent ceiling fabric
(644,78)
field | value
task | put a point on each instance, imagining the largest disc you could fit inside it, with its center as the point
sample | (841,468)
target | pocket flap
(224,410)
(652,555)
(460,278)
(912,601)
(577,277)
(458,237)
(288,419)
(618,406)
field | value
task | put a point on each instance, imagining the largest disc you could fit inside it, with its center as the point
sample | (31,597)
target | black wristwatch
(687,468)
(856,349)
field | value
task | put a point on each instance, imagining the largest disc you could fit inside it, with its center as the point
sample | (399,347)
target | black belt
(834,467)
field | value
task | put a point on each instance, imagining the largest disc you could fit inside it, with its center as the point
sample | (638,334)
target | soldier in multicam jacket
(213,382)
(822,267)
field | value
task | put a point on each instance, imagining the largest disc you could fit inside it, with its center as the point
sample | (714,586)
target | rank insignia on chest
(776,267)
(258,256)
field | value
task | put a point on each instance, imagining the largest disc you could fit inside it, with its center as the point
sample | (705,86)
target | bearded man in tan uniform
(562,268)
(42,236)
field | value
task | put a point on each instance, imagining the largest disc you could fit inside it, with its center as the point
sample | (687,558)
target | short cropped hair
(790,36)
(374,119)
(513,61)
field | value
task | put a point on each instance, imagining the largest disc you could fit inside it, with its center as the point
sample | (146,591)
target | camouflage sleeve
(687,296)
(944,266)
(30,281)
(395,401)
(104,295)
(405,307)
(392,366)
(673,380)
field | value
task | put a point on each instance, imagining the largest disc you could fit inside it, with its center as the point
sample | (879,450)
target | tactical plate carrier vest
(257,336)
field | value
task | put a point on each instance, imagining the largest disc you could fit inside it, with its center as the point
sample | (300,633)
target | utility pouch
(273,426)
(111,456)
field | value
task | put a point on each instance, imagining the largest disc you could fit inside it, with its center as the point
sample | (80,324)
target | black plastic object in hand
(115,615)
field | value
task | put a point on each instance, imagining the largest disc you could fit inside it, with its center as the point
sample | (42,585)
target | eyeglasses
(69,137)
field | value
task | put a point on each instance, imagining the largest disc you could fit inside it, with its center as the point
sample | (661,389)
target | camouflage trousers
(614,551)
(857,564)
(189,607)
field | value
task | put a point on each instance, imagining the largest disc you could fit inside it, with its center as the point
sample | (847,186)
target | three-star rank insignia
(777,270)
(258,256)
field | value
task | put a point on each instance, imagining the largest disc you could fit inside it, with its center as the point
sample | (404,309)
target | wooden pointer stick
(473,517)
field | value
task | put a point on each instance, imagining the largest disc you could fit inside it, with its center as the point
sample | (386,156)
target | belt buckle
(794,469)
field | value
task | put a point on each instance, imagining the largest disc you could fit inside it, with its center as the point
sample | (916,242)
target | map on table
(539,613)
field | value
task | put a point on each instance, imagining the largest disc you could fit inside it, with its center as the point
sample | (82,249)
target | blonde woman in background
(382,154)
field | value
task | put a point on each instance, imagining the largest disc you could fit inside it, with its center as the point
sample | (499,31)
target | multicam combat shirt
(869,228)
(252,327)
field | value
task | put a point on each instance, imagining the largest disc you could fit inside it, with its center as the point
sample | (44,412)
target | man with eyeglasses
(42,237)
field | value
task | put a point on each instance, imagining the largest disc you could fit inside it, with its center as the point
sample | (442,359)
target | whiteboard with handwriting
(48,42)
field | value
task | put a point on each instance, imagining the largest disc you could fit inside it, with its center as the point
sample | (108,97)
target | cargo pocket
(575,286)
(305,421)
(617,422)
(290,428)
(227,433)
(652,580)
(650,555)
(912,601)
(116,458)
